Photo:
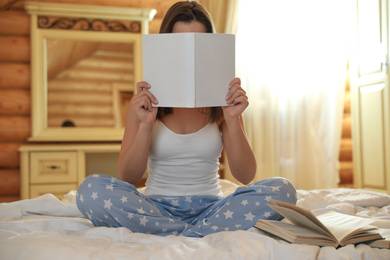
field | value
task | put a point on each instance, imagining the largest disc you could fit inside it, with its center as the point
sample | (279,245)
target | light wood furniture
(371,97)
(72,48)
(58,169)
(61,35)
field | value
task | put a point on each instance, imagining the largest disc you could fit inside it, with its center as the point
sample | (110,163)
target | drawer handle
(53,167)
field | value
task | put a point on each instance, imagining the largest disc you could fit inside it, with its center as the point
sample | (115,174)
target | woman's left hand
(236,99)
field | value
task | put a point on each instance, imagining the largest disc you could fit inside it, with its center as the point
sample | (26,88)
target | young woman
(181,147)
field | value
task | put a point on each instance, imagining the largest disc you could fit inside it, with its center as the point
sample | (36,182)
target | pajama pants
(111,202)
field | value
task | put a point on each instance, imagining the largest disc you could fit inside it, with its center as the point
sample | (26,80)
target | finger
(146,105)
(141,101)
(146,92)
(235,93)
(142,85)
(151,97)
(241,100)
(234,82)
(234,89)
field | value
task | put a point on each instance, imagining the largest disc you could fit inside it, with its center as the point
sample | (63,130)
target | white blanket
(47,228)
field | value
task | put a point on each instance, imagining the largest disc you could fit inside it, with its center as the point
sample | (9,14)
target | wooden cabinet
(58,169)
(370,98)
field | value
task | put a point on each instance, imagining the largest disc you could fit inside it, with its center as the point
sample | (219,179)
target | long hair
(187,11)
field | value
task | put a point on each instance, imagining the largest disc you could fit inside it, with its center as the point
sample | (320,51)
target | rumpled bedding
(47,228)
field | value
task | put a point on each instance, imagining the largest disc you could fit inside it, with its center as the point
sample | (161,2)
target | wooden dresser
(58,169)
(85,62)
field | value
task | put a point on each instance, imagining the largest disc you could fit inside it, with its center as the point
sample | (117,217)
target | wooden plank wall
(345,158)
(14,97)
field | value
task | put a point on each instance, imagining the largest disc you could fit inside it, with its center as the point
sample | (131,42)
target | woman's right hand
(142,102)
(135,147)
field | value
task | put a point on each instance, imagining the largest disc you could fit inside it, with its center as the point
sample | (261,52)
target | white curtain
(292,59)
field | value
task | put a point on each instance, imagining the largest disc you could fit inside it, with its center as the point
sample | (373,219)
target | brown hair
(187,11)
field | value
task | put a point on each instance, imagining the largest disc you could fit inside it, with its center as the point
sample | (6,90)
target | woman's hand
(236,99)
(135,147)
(142,102)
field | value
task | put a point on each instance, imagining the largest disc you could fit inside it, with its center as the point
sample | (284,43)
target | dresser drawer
(53,167)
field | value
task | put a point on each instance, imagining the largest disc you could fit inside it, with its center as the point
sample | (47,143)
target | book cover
(189,69)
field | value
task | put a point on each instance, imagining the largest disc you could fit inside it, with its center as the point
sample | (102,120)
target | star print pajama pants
(111,202)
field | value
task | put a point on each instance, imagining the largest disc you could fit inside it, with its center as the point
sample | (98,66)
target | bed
(48,228)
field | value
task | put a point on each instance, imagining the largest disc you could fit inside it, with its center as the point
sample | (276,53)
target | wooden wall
(15,81)
(345,158)
(14,97)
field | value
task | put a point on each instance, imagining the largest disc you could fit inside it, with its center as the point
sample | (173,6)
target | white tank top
(184,164)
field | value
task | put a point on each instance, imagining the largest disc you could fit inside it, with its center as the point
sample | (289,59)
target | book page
(168,66)
(294,214)
(382,243)
(299,219)
(294,234)
(342,225)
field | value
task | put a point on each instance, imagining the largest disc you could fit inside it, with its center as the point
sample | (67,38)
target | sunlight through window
(292,43)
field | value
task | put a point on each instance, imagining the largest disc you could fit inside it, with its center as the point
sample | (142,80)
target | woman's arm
(242,161)
(136,141)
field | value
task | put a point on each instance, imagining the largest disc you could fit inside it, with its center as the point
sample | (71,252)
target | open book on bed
(329,229)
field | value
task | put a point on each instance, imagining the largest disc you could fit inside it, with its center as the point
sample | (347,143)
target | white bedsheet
(47,228)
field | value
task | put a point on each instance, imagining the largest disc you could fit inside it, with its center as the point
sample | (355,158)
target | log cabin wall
(14,97)
(15,86)
(345,158)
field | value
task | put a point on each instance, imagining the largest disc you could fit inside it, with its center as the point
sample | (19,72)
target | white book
(189,69)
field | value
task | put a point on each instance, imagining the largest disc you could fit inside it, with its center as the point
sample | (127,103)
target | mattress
(47,228)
